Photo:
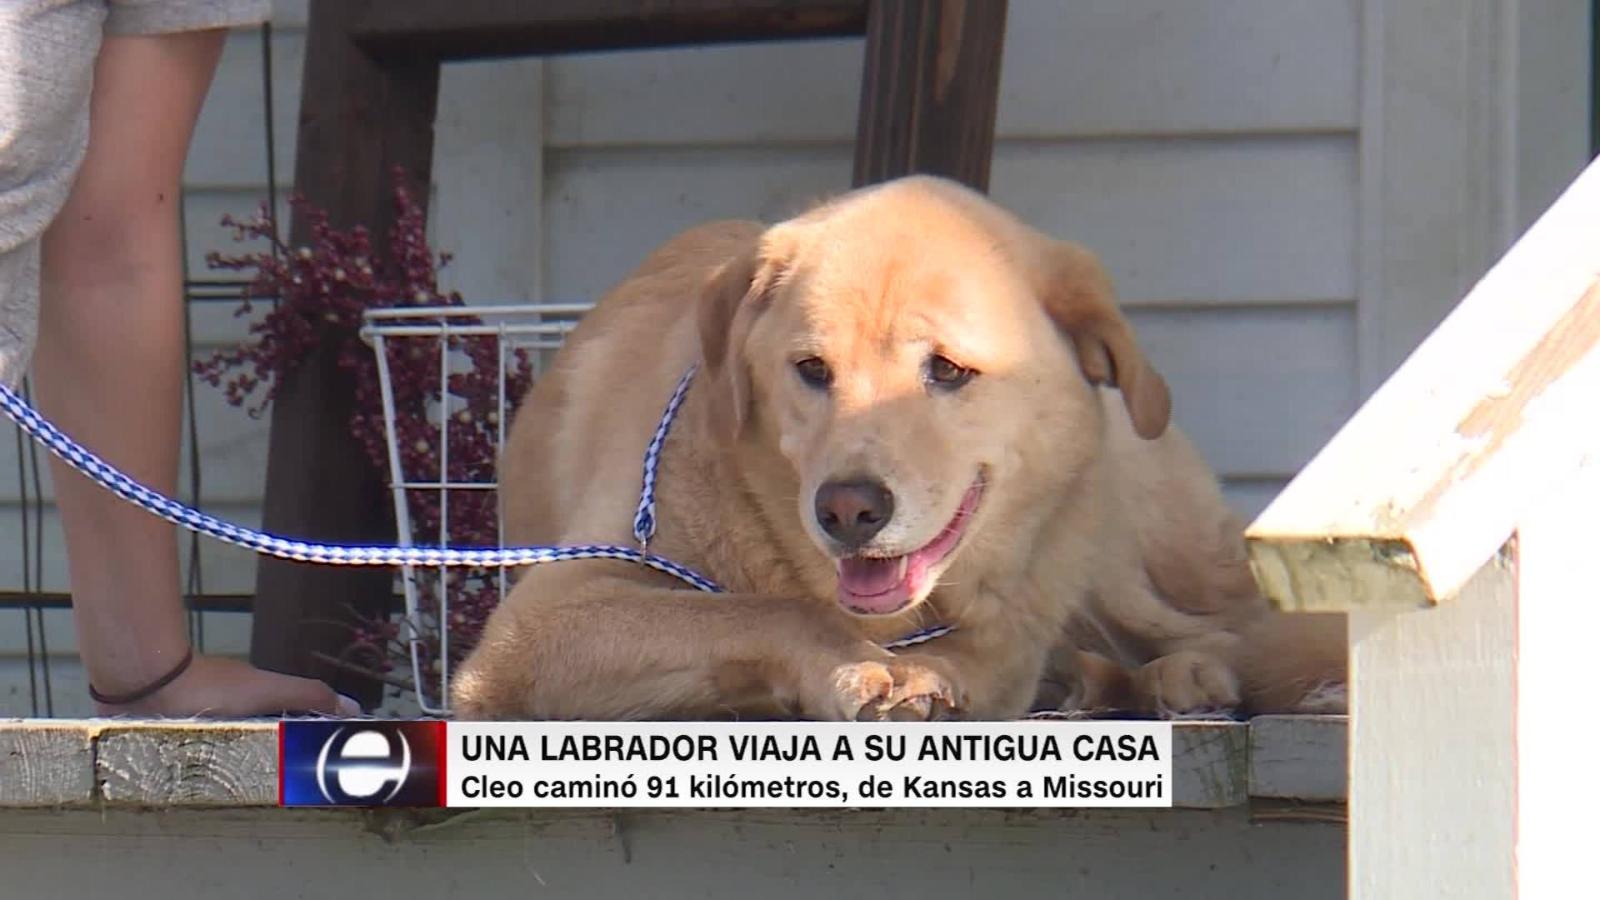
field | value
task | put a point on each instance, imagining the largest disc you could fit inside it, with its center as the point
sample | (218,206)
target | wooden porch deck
(89,807)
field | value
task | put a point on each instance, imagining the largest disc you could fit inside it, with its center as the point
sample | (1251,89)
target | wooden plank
(59,634)
(175,764)
(1136,68)
(1554,101)
(203,209)
(1431,745)
(605,210)
(1153,66)
(263,854)
(1473,113)
(1260,388)
(359,117)
(479,29)
(1179,223)
(488,177)
(1209,765)
(229,148)
(930,89)
(1299,758)
(1557,571)
(225,568)
(233,454)
(45,763)
(1431,95)
(68,697)
(1250,411)
(289,15)
(180,764)
(1429,478)
(1248,495)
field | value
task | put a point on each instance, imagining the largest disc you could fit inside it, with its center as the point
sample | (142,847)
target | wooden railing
(1468,487)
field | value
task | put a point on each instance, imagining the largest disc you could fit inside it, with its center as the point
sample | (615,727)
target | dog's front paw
(1186,682)
(895,690)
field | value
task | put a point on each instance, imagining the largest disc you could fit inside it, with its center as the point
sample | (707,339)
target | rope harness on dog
(644,522)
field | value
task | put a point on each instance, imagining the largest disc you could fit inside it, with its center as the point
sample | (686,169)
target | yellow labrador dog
(912,409)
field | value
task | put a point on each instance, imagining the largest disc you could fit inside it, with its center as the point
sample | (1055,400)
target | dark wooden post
(359,117)
(930,89)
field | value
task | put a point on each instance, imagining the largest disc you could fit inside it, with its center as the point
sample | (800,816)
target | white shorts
(47,56)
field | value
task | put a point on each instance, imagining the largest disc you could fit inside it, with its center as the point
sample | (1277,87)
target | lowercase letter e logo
(324,762)
(362,765)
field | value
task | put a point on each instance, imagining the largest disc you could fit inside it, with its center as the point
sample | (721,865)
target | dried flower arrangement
(322,290)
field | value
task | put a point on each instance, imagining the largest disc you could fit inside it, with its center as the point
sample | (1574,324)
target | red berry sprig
(323,290)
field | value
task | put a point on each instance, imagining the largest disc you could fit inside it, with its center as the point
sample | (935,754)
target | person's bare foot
(219,687)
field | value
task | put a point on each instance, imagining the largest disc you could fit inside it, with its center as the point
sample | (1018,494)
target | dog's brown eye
(814,372)
(946,374)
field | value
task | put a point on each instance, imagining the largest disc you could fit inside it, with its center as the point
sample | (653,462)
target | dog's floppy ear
(733,298)
(1077,294)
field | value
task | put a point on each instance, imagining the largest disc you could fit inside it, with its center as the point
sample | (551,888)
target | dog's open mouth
(879,586)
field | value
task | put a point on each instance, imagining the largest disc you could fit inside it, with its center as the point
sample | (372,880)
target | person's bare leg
(109,367)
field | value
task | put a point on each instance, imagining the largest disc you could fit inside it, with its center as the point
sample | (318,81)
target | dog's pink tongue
(868,576)
(872,585)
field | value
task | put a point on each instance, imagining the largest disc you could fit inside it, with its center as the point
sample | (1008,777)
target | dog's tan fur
(1101,567)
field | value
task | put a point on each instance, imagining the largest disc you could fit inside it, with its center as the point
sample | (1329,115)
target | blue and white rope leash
(644,520)
(114,480)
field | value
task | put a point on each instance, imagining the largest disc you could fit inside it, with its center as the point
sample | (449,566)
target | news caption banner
(1030,763)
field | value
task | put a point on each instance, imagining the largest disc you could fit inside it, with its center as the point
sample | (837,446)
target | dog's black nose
(851,512)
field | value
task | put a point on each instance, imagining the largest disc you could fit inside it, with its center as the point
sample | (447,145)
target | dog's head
(926,364)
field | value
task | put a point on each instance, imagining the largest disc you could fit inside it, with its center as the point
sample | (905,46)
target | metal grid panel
(534,330)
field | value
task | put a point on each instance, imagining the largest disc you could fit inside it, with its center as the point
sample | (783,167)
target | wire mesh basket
(450,378)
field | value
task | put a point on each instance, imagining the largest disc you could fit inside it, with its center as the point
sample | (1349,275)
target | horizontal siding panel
(734,94)
(1249,496)
(233,450)
(605,210)
(1259,391)
(225,569)
(232,447)
(289,13)
(1104,67)
(1124,67)
(225,632)
(229,144)
(203,209)
(1178,222)
(1187,221)
(17,482)
(216,323)
(69,683)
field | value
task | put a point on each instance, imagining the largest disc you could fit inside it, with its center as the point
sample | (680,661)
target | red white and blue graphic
(361,763)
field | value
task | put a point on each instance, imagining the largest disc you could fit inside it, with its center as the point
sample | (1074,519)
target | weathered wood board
(45,763)
(188,765)
(1298,758)
(208,764)
(274,854)
(1432,475)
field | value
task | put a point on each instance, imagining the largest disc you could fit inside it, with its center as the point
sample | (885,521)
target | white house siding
(1255,173)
